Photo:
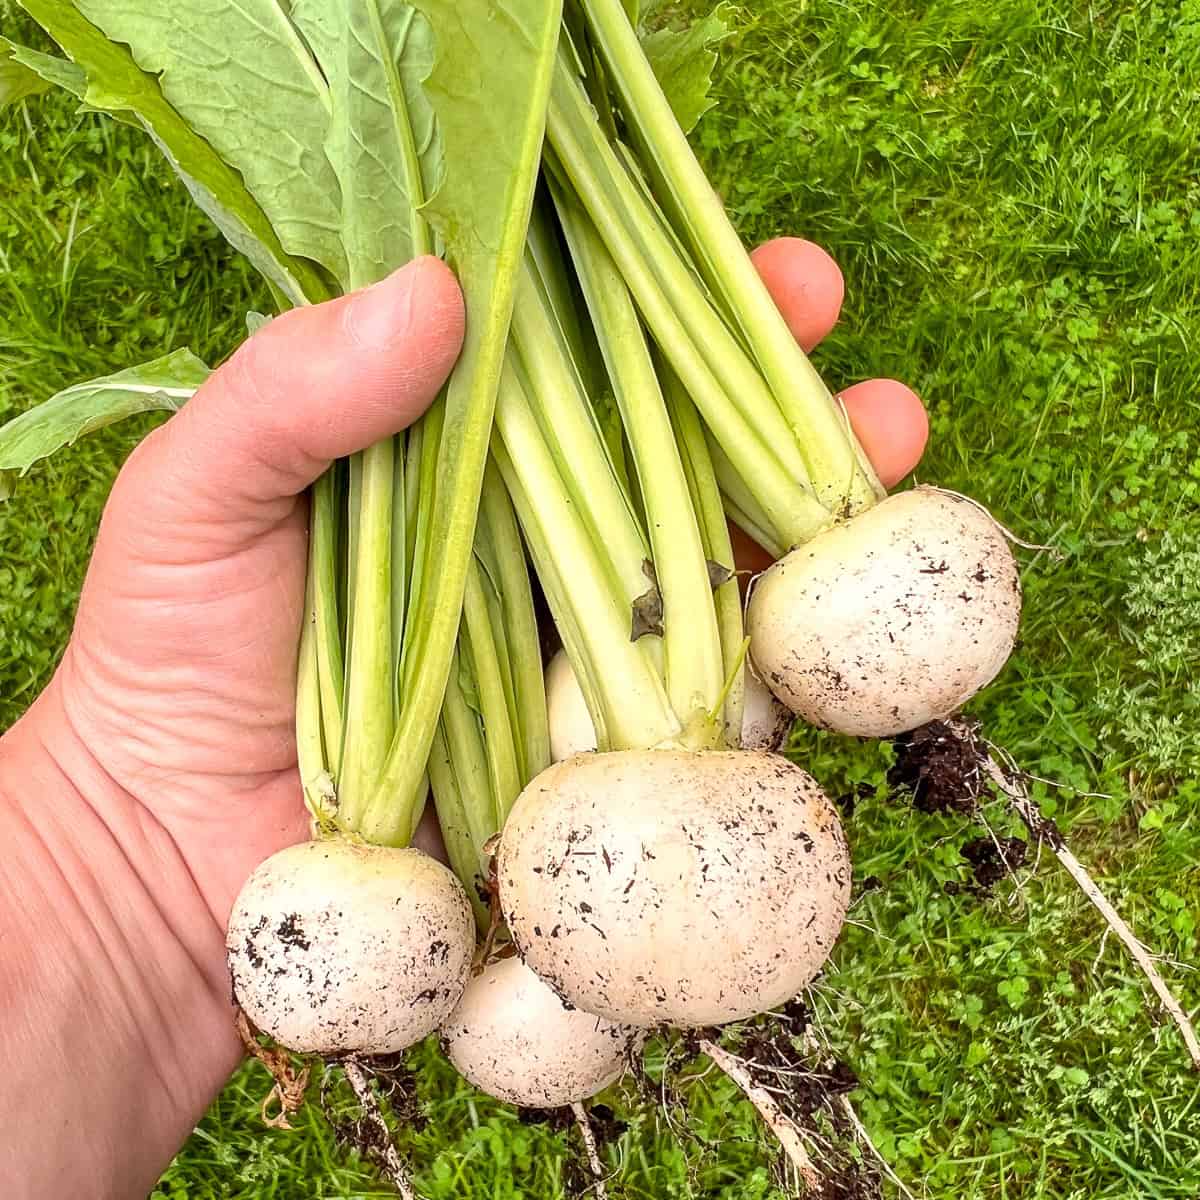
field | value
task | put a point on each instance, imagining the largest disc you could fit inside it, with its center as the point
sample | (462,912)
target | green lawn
(1013,190)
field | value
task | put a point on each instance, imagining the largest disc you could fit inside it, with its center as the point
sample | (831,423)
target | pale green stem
(422,470)
(691,640)
(558,594)
(714,529)
(568,427)
(315,778)
(743,509)
(323,564)
(837,467)
(370,708)
(708,358)
(458,777)
(519,621)
(635,711)
(495,713)
(399,560)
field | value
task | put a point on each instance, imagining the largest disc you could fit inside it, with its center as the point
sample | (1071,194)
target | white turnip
(674,887)
(513,1038)
(341,948)
(765,721)
(571,728)
(891,619)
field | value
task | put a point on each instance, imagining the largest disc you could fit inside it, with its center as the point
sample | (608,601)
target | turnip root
(765,722)
(513,1038)
(342,948)
(895,618)
(674,887)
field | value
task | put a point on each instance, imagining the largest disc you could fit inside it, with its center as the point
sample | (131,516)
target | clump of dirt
(359,1133)
(993,859)
(776,1050)
(800,1086)
(947,768)
(607,1126)
(940,767)
(555,1119)
(398,1086)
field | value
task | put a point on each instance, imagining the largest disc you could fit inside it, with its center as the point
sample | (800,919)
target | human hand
(159,767)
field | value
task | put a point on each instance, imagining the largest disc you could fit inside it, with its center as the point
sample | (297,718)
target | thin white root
(1054,552)
(1011,785)
(588,1135)
(860,1131)
(775,1119)
(390,1161)
(812,1046)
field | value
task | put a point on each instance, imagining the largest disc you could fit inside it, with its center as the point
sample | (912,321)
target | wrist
(113,975)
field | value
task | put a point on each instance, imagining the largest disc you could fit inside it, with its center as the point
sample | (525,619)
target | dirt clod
(940,768)
(994,858)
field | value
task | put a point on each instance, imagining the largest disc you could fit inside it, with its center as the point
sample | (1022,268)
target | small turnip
(513,1038)
(894,618)
(571,728)
(765,722)
(342,948)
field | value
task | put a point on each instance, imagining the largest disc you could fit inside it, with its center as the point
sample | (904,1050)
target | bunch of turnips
(627,851)
(661,871)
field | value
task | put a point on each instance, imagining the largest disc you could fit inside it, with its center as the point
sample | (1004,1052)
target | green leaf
(116,85)
(163,385)
(383,141)
(25,72)
(489,88)
(240,75)
(684,61)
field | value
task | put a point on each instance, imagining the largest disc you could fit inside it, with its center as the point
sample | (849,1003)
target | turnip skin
(514,1039)
(894,618)
(571,728)
(766,722)
(674,887)
(342,948)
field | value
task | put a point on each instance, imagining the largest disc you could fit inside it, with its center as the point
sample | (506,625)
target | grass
(1011,187)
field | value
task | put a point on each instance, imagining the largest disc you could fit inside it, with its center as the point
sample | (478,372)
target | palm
(182,675)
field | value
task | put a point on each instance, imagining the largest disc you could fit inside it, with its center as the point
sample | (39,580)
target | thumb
(315,384)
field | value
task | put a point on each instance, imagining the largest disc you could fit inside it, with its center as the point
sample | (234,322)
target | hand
(159,767)
(180,674)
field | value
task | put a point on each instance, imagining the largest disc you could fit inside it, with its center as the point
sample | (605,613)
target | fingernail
(381,315)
